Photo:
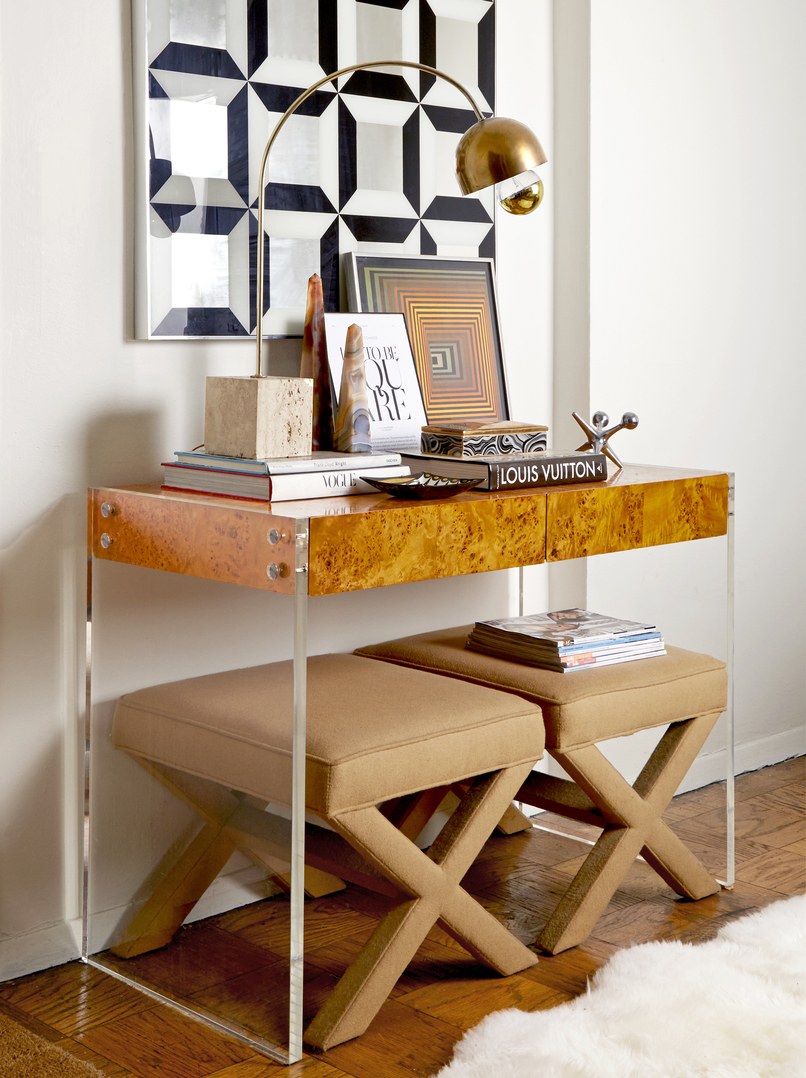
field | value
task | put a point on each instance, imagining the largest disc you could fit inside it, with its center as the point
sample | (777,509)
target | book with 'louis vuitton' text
(512,471)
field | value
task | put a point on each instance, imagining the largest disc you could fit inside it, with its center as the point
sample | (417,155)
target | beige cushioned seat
(583,707)
(683,691)
(375,732)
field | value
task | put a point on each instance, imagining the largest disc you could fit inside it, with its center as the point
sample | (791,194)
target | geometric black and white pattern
(364,166)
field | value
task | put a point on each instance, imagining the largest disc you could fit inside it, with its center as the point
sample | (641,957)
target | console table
(335,545)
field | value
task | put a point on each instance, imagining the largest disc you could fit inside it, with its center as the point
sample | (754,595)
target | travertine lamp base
(269,416)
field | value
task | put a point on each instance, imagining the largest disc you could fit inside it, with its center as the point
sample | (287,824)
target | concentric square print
(452,319)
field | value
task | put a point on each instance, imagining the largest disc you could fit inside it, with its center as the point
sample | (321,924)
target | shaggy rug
(24,1054)
(734,1007)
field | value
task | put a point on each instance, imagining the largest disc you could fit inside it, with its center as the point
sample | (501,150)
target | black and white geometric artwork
(364,166)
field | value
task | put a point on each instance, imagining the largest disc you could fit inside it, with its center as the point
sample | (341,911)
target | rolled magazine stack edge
(567,640)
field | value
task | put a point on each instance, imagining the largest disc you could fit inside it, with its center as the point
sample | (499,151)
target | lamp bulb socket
(520,194)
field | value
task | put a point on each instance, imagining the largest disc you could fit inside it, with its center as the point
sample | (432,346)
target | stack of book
(567,640)
(505,455)
(321,474)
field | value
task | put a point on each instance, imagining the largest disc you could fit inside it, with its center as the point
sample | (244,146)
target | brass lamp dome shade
(497,149)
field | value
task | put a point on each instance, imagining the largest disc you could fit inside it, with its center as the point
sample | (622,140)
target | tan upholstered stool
(682,690)
(375,732)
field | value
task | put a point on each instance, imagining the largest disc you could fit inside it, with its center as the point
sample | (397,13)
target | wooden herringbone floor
(123,1032)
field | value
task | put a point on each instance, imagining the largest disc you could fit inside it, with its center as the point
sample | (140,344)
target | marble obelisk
(313,364)
(351,432)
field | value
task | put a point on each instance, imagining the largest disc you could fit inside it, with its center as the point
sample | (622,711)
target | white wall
(698,321)
(82,403)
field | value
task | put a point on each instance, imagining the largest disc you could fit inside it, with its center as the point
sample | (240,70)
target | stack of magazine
(567,640)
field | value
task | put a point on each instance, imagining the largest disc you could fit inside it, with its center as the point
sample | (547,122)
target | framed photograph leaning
(452,318)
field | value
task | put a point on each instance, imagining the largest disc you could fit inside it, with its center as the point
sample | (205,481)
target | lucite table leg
(730,765)
(730,801)
(86,822)
(284,1052)
(297,892)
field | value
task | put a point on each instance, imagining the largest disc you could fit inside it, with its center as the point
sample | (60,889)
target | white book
(274,488)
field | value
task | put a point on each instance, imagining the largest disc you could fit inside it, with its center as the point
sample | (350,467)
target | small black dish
(422,485)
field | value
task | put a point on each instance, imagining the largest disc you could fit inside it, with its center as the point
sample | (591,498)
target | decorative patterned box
(458,440)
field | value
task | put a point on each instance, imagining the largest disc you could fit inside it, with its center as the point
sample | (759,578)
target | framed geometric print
(451,315)
(362,166)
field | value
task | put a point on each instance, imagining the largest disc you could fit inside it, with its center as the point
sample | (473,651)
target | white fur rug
(734,1007)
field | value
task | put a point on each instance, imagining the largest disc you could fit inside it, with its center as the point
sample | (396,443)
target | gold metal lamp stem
(491,151)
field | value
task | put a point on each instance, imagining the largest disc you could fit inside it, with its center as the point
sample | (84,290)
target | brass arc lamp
(494,151)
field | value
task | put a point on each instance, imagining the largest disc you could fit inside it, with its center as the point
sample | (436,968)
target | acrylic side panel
(164,846)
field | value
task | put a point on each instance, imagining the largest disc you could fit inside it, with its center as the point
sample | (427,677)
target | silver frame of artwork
(369,115)
(142,275)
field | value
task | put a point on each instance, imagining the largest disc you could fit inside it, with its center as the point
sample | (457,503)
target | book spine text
(326,484)
(586,468)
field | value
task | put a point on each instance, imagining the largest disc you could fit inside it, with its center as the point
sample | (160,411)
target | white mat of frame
(734,1007)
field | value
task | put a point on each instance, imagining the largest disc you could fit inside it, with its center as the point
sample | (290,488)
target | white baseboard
(771,750)
(750,756)
(50,946)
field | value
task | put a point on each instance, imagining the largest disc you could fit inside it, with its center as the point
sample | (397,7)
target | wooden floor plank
(74,997)
(400,1042)
(707,799)
(164,1042)
(463,1002)
(770,778)
(260,1067)
(778,870)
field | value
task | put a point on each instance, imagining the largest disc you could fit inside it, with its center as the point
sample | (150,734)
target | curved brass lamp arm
(292,108)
